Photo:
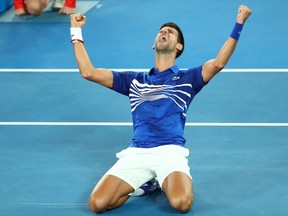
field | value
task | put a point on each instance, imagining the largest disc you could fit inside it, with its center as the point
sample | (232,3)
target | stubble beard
(163,49)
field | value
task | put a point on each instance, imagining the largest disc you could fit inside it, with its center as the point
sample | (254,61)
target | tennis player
(159,102)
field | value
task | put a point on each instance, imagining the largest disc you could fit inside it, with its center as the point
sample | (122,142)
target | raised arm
(213,66)
(88,71)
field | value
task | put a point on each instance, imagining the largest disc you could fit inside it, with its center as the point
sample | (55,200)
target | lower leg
(99,206)
(118,203)
(111,192)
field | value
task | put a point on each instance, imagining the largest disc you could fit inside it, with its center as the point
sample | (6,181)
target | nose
(164,31)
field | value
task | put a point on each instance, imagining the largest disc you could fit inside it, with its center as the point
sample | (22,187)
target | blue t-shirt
(159,103)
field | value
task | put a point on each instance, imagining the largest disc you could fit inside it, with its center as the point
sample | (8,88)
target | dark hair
(180,35)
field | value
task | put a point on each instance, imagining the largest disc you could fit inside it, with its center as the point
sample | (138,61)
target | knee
(35,8)
(182,204)
(97,204)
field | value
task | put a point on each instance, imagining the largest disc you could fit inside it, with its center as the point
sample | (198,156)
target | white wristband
(76,35)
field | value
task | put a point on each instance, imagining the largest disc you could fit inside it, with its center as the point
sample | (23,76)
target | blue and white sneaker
(147,188)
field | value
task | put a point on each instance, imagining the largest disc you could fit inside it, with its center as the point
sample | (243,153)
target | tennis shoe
(147,188)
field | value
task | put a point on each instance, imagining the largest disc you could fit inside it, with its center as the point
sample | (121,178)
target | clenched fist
(243,13)
(77,20)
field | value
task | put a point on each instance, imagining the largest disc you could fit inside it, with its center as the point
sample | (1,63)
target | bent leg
(179,191)
(36,7)
(111,192)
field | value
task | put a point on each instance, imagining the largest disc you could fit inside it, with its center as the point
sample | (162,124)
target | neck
(163,62)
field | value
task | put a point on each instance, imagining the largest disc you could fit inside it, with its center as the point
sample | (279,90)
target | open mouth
(163,39)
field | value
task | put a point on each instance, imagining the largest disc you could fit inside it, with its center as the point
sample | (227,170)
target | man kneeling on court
(159,102)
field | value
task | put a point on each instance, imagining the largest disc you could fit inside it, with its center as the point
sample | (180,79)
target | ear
(179,46)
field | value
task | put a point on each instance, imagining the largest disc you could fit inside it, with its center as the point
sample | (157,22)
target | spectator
(36,7)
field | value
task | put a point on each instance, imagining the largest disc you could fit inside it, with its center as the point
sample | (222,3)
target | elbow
(218,66)
(86,74)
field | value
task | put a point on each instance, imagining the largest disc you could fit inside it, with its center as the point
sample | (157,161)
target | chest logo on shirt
(175,78)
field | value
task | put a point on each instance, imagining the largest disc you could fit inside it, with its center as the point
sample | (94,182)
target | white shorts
(136,166)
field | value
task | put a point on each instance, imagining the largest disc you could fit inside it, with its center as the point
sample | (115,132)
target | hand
(77,20)
(243,13)
(20,11)
(66,10)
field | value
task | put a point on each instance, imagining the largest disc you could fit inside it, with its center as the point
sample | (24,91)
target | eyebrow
(171,29)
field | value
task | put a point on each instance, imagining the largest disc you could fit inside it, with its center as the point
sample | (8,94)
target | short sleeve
(197,78)
(122,81)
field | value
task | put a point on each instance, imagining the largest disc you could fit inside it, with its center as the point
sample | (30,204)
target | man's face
(166,40)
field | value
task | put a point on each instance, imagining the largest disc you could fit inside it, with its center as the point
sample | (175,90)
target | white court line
(238,70)
(204,124)
(55,204)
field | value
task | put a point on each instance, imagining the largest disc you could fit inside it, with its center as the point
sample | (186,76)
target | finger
(80,17)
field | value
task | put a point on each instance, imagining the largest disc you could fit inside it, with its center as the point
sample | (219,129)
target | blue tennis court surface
(59,133)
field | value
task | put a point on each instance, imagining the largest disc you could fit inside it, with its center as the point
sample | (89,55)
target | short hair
(180,35)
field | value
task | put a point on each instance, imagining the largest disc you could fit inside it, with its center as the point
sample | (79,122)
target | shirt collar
(174,69)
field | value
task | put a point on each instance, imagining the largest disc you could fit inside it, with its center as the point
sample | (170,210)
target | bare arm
(213,66)
(88,71)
